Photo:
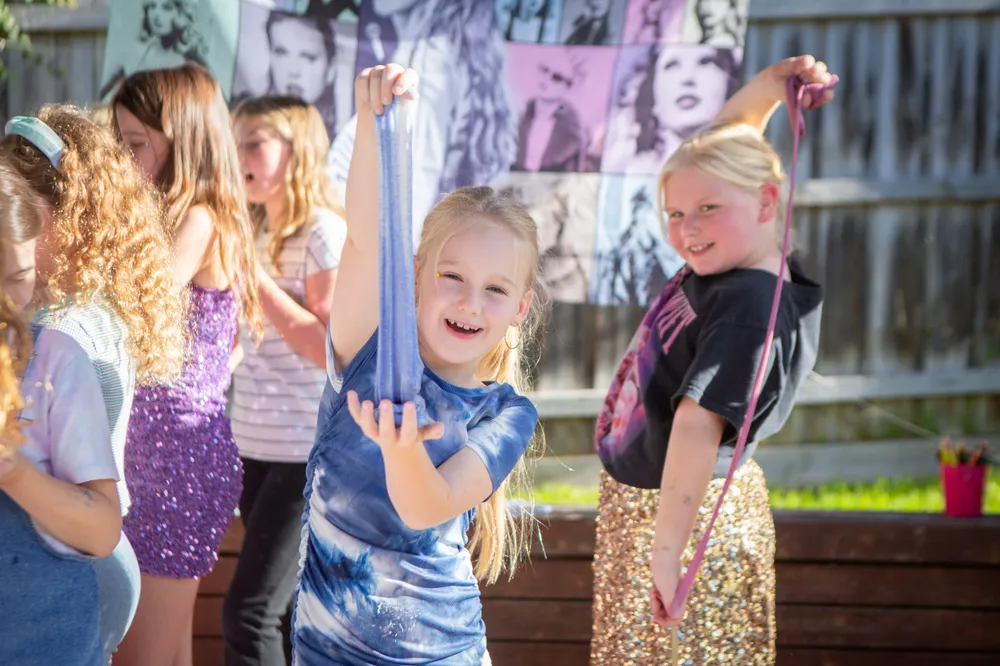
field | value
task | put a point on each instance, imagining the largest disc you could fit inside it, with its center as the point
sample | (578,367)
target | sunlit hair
(735,153)
(186,104)
(14,349)
(20,208)
(101,115)
(108,239)
(307,182)
(499,538)
(20,221)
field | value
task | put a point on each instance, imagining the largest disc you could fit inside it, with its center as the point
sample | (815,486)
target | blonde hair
(498,538)
(203,167)
(101,115)
(108,237)
(14,350)
(19,222)
(307,182)
(735,153)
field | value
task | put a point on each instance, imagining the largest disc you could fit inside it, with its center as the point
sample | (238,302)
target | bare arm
(303,328)
(423,495)
(85,516)
(356,301)
(691,454)
(195,240)
(756,102)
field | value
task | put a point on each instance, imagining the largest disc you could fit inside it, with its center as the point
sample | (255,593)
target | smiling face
(468,298)
(264,158)
(715,226)
(300,63)
(689,87)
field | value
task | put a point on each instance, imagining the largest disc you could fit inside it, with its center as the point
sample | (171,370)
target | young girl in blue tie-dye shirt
(387,575)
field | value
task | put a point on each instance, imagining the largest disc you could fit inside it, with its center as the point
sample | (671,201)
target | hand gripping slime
(398,365)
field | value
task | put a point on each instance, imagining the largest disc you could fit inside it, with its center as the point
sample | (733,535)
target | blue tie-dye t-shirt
(371,590)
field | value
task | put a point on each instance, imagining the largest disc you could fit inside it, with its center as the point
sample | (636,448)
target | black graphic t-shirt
(703,337)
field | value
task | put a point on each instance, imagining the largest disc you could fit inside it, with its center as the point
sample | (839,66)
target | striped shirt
(97,328)
(277,390)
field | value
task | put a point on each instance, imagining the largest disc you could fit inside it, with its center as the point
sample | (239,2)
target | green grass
(905,495)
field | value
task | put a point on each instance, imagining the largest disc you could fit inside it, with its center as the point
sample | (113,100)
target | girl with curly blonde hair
(59,505)
(182,463)
(103,262)
(300,233)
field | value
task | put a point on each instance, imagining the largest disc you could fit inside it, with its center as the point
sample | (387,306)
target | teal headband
(39,134)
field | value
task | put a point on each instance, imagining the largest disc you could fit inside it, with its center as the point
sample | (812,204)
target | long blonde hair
(307,182)
(203,167)
(19,222)
(14,349)
(735,153)
(498,537)
(108,237)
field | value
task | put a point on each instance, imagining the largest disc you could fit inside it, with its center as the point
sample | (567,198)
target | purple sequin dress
(182,466)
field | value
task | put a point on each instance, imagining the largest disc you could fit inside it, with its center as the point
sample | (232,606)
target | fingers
(408,428)
(432,431)
(363,414)
(376,86)
(397,81)
(374,91)
(386,421)
(794,66)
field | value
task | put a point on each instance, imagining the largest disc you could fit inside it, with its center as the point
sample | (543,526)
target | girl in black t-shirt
(669,425)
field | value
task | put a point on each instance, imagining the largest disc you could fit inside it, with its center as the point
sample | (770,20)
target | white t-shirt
(67,435)
(277,391)
(100,332)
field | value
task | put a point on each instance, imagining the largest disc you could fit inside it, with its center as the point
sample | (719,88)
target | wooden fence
(898,214)
(852,590)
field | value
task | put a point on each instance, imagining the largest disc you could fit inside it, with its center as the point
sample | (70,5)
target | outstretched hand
(384,431)
(808,69)
(377,86)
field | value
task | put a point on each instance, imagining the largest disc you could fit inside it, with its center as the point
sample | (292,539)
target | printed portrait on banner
(563,206)
(654,21)
(529,21)
(720,23)
(560,127)
(570,106)
(159,34)
(466,121)
(309,55)
(632,259)
(592,22)
(662,94)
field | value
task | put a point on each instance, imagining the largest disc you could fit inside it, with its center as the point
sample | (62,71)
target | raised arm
(756,102)
(354,310)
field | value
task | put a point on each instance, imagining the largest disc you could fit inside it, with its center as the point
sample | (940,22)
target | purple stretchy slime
(796,89)
(398,365)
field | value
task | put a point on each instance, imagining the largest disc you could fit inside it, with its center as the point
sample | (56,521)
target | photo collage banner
(571,106)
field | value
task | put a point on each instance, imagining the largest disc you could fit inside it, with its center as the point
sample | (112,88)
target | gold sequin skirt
(730,611)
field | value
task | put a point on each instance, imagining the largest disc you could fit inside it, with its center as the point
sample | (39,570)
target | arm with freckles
(691,453)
